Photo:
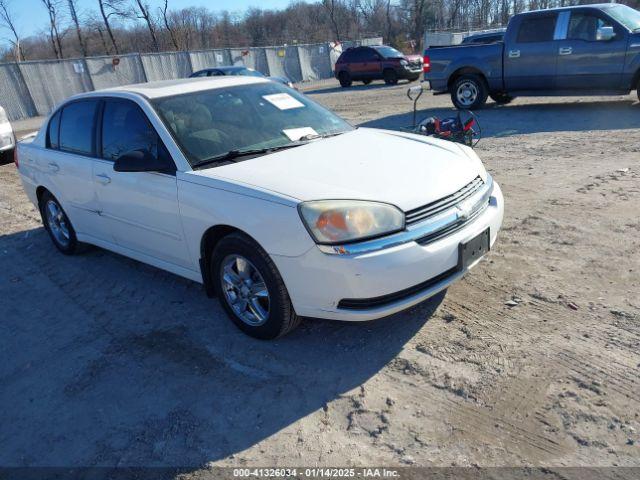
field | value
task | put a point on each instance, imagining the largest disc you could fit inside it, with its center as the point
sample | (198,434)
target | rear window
(537,29)
(53,134)
(76,127)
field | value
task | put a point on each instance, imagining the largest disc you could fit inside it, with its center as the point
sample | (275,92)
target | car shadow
(516,119)
(108,362)
(356,86)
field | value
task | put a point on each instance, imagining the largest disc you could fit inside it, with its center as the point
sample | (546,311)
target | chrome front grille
(430,209)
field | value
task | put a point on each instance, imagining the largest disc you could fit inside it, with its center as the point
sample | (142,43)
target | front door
(530,54)
(588,60)
(141,208)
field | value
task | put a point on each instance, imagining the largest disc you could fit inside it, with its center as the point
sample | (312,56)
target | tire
(501,98)
(345,79)
(238,260)
(390,77)
(469,92)
(366,82)
(58,225)
(638,89)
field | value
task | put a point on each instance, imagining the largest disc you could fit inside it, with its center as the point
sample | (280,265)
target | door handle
(103,179)
(565,51)
(514,53)
(54,167)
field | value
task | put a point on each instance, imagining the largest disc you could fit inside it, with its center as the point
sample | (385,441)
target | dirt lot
(532,359)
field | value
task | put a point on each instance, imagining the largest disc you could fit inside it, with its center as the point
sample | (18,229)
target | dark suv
(377,63)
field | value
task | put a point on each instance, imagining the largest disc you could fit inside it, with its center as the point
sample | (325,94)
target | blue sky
(31,16)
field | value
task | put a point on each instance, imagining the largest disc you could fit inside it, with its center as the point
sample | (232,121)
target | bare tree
(7,22)
(52,7)
(144,14)
(330,5)
(167,25)
(74,17)
(109,9)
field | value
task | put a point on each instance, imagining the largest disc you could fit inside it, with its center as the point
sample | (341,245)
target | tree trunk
(74,17)
(105,18)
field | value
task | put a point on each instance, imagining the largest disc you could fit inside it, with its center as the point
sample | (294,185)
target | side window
(125,127)
(370,55)
(76,127)
(53,135)
(201,74)
(584,26)
(357,55)
(537,29)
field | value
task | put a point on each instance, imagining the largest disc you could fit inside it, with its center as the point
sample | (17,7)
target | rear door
(141,208)
(586,61)
(68,165)
(530,54)
(372,63)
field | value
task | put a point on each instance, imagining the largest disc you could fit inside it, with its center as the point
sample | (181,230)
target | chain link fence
(34,88)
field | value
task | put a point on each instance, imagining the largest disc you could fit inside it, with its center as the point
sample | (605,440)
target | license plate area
(471,251)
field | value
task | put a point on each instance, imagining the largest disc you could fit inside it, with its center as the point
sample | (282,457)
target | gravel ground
(532,360)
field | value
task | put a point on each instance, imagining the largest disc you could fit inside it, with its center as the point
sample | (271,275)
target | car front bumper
(405,274)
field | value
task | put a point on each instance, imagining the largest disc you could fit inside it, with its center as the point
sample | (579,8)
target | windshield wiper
(233,155)
(313,136)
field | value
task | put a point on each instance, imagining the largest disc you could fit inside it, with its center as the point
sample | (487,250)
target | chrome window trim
(463,211)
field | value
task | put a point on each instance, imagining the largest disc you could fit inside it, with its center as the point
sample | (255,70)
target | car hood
(413,58)
(403,169)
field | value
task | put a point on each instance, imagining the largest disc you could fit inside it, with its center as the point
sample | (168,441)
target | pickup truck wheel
(390,77)
(501,98)
(251,289)
(345,79)
(469,92)
(57,224)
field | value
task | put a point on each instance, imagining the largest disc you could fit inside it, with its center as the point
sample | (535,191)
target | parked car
(278,206)
(7,139)
(483,38)
(584,50)
(238,70)
(366,64)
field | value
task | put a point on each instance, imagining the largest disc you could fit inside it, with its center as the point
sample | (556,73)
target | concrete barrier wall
(34,88)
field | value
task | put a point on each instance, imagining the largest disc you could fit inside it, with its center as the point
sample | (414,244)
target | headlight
(404,63)
(6,140)
(339,221)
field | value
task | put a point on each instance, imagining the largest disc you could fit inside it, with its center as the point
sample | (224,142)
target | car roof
(167,88)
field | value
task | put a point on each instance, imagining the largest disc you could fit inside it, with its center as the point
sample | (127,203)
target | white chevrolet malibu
(279,207)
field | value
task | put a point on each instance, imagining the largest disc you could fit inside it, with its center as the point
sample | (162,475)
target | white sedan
(279,207)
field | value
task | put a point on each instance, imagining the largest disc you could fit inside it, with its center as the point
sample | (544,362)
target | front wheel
(469,92)
(251,289)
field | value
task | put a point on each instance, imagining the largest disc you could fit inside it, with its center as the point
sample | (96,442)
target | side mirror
(140,161)
(604,34)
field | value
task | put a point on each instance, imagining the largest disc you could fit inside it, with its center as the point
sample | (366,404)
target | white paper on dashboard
(283,101)
(295,134)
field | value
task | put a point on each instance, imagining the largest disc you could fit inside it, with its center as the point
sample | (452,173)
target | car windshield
(247,72)
(627,16)
(389,52)
(211,123)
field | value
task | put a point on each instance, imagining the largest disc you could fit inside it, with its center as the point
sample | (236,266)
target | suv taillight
(426,64)
(15,156)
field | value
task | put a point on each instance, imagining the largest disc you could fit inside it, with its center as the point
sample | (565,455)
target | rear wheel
(501,98)
(469,92)
(345,79)
(57,224)
(390,77)
(251,289)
